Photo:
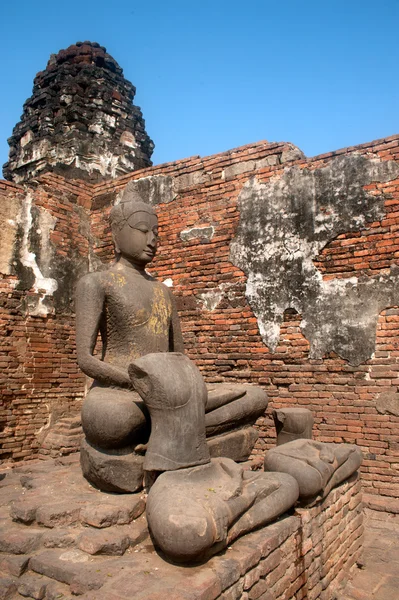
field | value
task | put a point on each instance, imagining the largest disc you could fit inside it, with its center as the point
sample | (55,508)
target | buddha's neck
(125,262)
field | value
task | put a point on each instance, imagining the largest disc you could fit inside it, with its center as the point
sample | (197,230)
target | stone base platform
(61,539)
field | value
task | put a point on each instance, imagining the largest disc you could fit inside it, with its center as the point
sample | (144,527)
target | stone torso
(136,318)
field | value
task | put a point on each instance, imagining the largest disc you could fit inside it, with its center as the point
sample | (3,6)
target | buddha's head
(134,227)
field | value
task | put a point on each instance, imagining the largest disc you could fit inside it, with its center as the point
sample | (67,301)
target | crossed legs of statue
(114,418)
(116,424)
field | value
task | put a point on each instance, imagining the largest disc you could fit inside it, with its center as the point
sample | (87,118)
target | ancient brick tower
(80,120)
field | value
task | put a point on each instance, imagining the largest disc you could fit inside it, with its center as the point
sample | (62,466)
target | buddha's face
(137,239)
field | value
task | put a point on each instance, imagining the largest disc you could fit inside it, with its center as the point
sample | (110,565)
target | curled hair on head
(121,213)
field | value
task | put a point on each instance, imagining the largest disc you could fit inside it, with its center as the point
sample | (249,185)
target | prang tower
(80,120)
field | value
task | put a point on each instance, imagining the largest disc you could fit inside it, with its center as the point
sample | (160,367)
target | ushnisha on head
(134,227)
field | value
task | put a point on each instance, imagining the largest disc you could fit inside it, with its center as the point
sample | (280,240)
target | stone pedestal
(112,470)
(61,537)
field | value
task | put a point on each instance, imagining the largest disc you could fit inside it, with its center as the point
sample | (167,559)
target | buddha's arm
(176,343)
(90,297)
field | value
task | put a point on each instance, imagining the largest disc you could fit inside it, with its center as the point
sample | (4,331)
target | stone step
(69,422)
(73,567)
(13,564)
(15,539)
(110,510)
(114,540)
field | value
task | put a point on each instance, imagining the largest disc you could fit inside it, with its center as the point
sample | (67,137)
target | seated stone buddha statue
(136,315)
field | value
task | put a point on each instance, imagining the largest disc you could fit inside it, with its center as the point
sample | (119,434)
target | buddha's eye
(155,232)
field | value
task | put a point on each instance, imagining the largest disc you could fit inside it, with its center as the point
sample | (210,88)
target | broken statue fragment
(197,505)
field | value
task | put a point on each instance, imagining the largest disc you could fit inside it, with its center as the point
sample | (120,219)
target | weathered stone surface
(59,538)
(19,540)
(292,424)
(13,564)
(24,510)
(237,445)
(80,120)
(114,471)
(284,224)
(33,586)
(58,591)
(58,514)
(8,586)
(113,511)
(109,541)
(62,565)
(387,403)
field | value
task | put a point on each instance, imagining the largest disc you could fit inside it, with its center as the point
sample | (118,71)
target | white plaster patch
(210,300)
(44,285)
(284,225)
(205,232)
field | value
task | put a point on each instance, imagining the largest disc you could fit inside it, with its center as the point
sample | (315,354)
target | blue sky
(215,75)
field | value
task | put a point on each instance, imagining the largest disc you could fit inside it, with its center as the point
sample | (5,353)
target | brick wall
(350,403)
(39,378)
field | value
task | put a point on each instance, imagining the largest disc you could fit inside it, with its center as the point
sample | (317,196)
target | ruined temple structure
(80,121)
(284,268)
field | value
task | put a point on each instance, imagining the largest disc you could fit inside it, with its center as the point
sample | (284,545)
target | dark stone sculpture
(199,505)
(292,424)
(136,315)
(317,466)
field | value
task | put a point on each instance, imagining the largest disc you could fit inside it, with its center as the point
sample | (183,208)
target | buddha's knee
(250,404)
(183,535)
(113,418)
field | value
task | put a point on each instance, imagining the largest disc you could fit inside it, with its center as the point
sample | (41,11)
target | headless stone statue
(136,315)
(197,505)
(317,466)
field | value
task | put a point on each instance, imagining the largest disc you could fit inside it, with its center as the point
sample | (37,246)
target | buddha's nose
(152,239)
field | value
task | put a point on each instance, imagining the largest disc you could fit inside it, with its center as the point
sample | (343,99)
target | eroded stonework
(284,225)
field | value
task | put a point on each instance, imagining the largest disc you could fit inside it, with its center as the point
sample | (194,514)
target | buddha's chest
(132,305)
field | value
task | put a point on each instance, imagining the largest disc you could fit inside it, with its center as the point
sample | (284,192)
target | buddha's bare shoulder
(96,280)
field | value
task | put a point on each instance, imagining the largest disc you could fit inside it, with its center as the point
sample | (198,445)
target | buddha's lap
(113,418)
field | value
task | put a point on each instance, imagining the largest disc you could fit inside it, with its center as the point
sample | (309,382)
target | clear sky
(213,75)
